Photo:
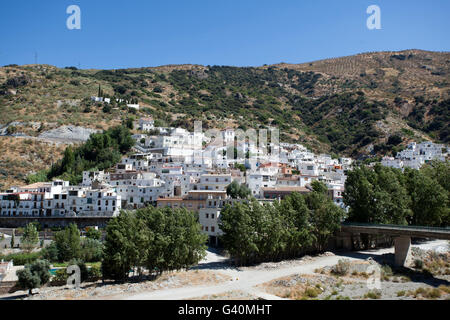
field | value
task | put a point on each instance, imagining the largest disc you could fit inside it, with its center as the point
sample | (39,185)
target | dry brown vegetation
(301,287)
(22,156)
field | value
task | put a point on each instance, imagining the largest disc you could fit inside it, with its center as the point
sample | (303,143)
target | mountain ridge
(318,103)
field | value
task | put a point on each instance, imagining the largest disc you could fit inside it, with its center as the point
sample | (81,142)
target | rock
(68,133)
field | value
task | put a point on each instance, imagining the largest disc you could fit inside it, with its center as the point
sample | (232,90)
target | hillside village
(172,167)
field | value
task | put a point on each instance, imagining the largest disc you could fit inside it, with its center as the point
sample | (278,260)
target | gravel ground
(110,290)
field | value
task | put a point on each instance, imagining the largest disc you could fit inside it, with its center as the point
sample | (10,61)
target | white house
(146,124)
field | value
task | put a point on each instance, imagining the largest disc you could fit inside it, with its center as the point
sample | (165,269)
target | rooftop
(286,189)
(37,185)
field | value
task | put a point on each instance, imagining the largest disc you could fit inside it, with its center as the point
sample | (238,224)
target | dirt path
(244,280)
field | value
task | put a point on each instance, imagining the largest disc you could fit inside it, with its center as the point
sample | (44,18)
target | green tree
(91,250)
(429,202)
(34,275)
(129,123)
(13,239)
(68,243)
(319,187)
(377,195)
(296,217)
(325,218)
(125,240)
(94,234)
(236,190)
(30,237)
(178,242)
(239,236)
(50,252)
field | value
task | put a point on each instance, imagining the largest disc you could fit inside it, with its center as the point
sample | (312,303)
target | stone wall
(49,222)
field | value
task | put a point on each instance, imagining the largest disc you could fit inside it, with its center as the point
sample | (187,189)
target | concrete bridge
(402,236)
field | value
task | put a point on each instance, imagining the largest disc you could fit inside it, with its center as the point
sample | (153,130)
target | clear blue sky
(138,33)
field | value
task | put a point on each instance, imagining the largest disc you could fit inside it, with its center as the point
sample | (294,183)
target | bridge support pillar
(347,242)
(402,251)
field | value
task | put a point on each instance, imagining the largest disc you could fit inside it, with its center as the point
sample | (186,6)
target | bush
(434,293)
(386,270)
(375,294)
(94,273)
(34,275)
(341,268)
(107,108)
(91,250)
(418,264)
(60,277)
(51,252)
(312,292)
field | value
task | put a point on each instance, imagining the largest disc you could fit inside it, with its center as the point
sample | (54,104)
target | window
(207,215)
(206,228)
(212,217)
(213,229)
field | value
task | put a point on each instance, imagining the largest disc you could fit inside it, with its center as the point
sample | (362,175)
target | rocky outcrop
(68,133)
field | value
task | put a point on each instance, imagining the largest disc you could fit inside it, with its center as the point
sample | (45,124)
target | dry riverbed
(98,290)
(362,280)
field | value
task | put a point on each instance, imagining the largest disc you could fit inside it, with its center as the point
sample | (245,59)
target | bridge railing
(395,226)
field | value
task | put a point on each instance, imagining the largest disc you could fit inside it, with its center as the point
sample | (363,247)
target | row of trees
(154,239)
(300,223)
(389,196)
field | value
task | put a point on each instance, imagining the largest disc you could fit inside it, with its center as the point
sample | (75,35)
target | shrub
(34,275)
(94,273)
(434,293)
(386,270)
(107,108)
(401,293)
(91,250)
(312,292)
(51,252)
(341,268)
(418,264)
(446,289)
(60,276)
(375,294)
